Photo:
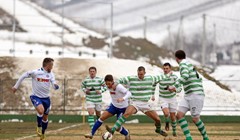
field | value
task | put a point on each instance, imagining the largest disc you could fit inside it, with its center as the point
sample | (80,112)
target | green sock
(91,121)
(184,125)
(201,128)
(158,127)
(118,123)
(174,125)
(167,119)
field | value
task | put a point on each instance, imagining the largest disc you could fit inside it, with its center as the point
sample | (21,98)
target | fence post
(64,95)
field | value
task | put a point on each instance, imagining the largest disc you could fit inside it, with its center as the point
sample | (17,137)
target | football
(107,136)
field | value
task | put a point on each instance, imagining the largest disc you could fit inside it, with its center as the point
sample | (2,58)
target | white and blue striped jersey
(41,81)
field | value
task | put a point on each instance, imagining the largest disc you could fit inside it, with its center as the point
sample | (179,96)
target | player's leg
(98,109)
(196,108)
(182,110)
(98,123)
(153,115)
(164,106)
(173,123)
(37,103)
(121,120)
(122,130)
(91,110)
(173,110)
(46,104)
(167,117)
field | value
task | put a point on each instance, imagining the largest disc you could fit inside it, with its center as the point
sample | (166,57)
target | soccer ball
(107,136)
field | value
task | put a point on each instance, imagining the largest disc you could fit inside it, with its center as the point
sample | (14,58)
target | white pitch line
(52,132)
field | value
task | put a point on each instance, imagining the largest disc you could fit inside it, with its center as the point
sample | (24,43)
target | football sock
(167,119)
(184,125)
(91,121)
(97,124)
(201,128)
(39,120)
(44,126)
(118,123)
(174,125)
(158,127)
(123,131)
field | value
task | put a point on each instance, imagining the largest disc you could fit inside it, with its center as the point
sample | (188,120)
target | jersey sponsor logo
(112,92)
(42,80)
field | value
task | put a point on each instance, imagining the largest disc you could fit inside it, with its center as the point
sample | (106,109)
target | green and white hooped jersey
(94,84)
(164,81)
(142,90)
(189,78)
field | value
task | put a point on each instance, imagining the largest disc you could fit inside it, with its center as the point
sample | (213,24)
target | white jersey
(41,81)
(120,92)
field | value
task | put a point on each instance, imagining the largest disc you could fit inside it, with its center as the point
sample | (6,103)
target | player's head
(92,71)
(167,68)
(109,80)
(47,64)
(180,55)
(141,72)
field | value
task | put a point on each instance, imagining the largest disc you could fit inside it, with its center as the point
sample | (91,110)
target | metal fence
(69,99)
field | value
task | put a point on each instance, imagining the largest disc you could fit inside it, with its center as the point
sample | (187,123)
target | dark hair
(141,68)
(167,64)
(180,54)
(108,77)
(46,61)
(92,68)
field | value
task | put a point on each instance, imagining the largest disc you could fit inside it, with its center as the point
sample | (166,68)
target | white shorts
(141,106)
(170,103)
(193,103)
(96,106)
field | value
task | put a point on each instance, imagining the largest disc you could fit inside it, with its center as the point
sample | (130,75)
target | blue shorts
(44,101)
(114,110)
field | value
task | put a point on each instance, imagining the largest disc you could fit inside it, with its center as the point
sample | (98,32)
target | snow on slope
(129,17)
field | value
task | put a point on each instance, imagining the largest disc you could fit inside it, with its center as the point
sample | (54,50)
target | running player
(93,86)
(119,95)
(142,89)
(42,79)
(168,99)
(193,98)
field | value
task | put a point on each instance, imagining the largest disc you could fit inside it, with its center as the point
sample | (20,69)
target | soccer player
(42,79)
(142,89)
(93,87)
(168,100)
(119,95)
(193,98)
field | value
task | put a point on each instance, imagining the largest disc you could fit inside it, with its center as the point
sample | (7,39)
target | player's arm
(54,84)
(84,87)
(184,75)
(124,81)
(22,77)
(179,87)
(127,93)
(103,86)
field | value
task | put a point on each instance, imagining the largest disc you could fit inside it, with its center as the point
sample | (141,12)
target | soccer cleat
(108,129)
(161,132)
(174,133)
(167,126)
(43,137)
(89,136)
(39,131)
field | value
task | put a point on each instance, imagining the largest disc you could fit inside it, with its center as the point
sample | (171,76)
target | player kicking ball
(119,95)
(42,79)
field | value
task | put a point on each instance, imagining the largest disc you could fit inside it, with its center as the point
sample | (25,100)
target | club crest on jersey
(42,80)
(47,76)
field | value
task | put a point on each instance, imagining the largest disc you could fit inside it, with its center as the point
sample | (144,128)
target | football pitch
(139,131)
